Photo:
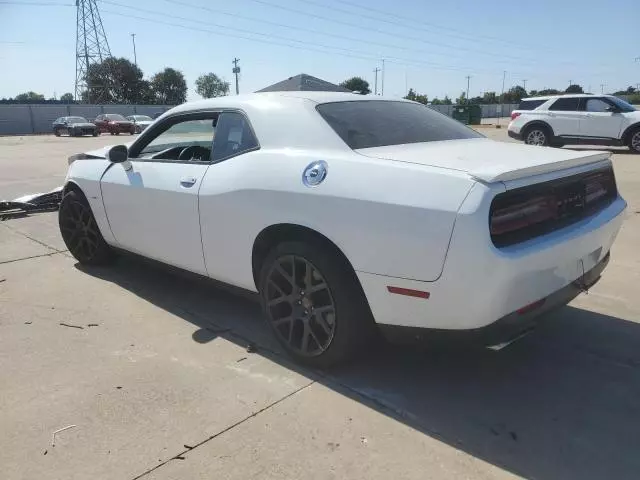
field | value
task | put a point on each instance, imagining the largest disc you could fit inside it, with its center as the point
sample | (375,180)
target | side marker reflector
(531,307)
(408,292)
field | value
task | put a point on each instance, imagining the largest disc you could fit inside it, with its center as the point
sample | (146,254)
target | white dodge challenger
(349,215)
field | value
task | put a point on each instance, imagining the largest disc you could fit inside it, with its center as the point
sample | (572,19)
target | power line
(369,8)
(38,4)
(311,46)
(364,8)
(307,30)
(377,30)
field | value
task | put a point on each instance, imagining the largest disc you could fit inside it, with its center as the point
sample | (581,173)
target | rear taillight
(514,115)
(524,214)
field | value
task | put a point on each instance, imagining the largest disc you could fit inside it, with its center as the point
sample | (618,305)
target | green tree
(169,87)
(461,99)
(66,97)
(514,95)
(210,85)
(447,100)
(417,97)
(114,80)
(357,84)
(549,91)
(574,89)
(29,97)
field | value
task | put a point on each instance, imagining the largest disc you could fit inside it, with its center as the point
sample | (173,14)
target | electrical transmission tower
(91,47)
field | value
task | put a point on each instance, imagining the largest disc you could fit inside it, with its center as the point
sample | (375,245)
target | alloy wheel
(536,137)
(300,306)
(635,141)
(79,230)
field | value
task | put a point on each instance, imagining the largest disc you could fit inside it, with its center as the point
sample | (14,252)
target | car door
(601,119)
(151,200)
(564,117)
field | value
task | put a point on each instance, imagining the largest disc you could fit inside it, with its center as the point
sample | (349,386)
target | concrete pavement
(160,385)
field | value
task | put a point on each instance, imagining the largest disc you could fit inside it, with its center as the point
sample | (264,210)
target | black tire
(537,135)
(80,231)
(56,132)
(348,324)
(112,133)
(95,133)
(117,133)
(634,140)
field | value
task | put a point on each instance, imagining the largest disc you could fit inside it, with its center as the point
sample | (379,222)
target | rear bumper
(481,283)
(507,328)
(512,134)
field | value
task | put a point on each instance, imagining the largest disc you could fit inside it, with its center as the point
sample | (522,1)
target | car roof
(237,101)
(565,95)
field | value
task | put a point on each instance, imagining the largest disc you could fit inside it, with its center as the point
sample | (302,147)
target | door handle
(188,181)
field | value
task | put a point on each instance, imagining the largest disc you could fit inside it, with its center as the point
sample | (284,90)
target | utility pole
(504,76)
(135,57)
(524,82)
(375,71)
(236,71)
(383,76)
(602,85)
(468,77)
(91,47)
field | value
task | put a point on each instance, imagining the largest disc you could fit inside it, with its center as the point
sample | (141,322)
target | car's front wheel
(56,132)
(314,304)
(80,231)
(634,141)
(537,135)
(95,133)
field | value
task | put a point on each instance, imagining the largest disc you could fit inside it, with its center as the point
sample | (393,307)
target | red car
(114,123)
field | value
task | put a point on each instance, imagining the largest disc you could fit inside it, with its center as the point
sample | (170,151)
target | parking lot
(167,377)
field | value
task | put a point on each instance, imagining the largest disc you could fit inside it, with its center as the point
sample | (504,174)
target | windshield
(376,123)
(76,120)
(115,116)
(622,105)
(142,118)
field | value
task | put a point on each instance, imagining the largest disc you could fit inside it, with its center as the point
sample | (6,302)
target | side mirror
(118,154)
(612,109)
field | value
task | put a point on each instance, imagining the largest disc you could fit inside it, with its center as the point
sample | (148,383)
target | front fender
(85,174)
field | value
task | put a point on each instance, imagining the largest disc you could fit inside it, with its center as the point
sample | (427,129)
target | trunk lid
(485,159)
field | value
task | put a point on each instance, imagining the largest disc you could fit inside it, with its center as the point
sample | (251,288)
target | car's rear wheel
(634,141)
(80,231)
(314,304)
(537,135)
(95,133)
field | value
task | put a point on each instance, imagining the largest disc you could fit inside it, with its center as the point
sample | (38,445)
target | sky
(430,46)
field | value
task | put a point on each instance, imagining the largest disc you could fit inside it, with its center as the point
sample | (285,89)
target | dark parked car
(74,127)
(114,123)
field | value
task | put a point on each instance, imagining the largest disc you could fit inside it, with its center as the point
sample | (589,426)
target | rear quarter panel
(388,218)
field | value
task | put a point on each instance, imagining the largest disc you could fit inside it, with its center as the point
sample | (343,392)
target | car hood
(144,122)
(485,159)
(82,125)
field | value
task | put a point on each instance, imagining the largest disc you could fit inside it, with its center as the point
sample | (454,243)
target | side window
(568,104)
(233,136)
(596,105)
(186,140)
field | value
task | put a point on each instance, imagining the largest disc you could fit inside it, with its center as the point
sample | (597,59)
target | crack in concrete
(224,430)
(56,252)
(32,239)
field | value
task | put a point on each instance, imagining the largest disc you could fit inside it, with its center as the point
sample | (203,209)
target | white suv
(576,119)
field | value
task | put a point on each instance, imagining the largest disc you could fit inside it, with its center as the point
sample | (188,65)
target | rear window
(530,104)
(376,123)
(565,104)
